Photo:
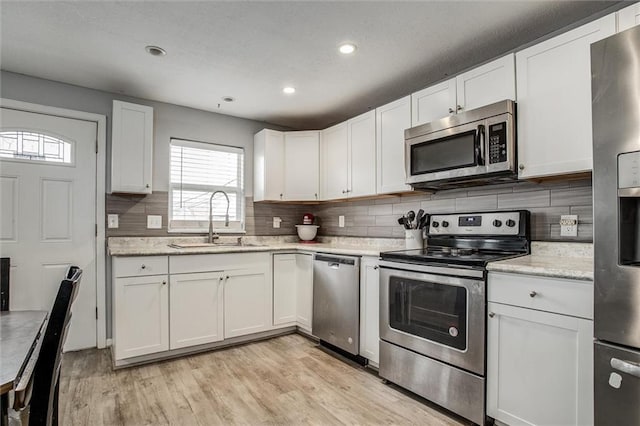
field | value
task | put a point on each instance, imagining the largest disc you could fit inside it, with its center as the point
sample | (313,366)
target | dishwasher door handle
(334,265)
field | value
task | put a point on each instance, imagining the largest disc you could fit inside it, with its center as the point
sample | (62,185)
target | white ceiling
(251,50)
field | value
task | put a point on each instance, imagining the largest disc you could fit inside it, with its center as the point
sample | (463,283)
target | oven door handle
(480,142)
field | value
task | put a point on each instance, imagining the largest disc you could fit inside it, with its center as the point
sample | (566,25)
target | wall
(546,201)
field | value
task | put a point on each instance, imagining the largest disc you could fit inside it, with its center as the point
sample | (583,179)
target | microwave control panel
(498,143)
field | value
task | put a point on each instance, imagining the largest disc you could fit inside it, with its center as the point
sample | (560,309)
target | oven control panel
(494,223)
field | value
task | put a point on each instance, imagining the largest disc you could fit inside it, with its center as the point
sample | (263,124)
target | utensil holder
(413,239)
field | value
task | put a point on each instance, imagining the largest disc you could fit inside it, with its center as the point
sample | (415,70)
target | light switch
(154,222)
(341,221)
(112,221)
(276,222)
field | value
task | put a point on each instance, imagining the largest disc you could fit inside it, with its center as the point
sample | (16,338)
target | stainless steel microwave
(463,149)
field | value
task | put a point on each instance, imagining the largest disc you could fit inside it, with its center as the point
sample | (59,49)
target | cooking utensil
(411,215)
(419,218)
(423,221)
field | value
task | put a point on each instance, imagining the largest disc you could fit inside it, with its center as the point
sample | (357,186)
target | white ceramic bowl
(307,232)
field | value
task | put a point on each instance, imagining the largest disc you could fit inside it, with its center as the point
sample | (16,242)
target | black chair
(46,375)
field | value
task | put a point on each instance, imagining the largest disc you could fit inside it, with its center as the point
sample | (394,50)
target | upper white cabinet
(370,310)
(302,166)
(484,85)
(539,350)
(554,102)
(335,161)
(629,17)
(391,121)
(349,158)
(268,165)
(131,148)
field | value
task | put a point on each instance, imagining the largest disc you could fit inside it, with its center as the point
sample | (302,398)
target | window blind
(197,171)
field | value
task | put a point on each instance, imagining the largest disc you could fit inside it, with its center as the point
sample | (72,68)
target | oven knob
(445,224)
(511,223)
(434,224)
(497,223)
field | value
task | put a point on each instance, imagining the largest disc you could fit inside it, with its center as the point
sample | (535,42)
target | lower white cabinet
(304,291)
(284,289)
(370,310)
(196,309)
(247,301)
(141,315)
(539,364)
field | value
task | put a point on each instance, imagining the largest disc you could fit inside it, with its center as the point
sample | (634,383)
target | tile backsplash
(378,218)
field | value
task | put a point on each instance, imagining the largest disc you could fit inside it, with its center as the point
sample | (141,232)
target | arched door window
(31,146)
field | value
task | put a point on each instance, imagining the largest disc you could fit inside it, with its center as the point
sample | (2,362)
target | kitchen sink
(202,245)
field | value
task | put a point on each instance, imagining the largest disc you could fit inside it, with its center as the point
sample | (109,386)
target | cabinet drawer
(567,297)
(186,264)
(140,265)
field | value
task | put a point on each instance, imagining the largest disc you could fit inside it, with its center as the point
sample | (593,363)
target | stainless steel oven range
(433,302)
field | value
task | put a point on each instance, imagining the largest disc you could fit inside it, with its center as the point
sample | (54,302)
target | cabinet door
(433,103)
(131,148)
(196,309)
(335,162)
(304,293)
(268,165)
(539,367)
(629,17)
(554,102)
(369,310)
(284,289)
(362,155)
(391,121)
(247,301)
(489,83)
(141,316)
(302,166)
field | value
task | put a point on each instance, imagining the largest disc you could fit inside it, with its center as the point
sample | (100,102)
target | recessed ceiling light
(347,48)
(155,51)
(228,98)
(289,90)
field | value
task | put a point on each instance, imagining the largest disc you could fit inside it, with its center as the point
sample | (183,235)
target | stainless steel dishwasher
(336,301)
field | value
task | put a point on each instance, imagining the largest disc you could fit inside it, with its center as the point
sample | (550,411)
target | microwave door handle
(481,142)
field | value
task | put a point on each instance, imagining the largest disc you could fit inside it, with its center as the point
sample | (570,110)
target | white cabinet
(304,291)
(141,315)
(554,102)
(131,148)
(302,166)
(362,155)
(284,289)
(391,121)
(349,158)
(196,309)
(539,361)
(484,85)
(370,310)
(247,301)
(335,161)
(629,17)
(268,165)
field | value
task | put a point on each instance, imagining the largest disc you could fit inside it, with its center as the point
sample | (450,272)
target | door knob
(143,266)
(492,314)
(533,294)
(459,108)
(521,166)
(451,111)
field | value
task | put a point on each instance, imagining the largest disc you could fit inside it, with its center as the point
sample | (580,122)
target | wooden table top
(18,332)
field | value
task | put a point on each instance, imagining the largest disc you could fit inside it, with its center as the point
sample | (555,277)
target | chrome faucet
(226,219)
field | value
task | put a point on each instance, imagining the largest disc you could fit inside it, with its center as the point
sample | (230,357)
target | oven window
(433,311)
(448,153)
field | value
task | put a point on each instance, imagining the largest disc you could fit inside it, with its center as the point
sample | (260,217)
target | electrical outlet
(569,225)
(112,221)
(341,221)
(276,222)
(154,221)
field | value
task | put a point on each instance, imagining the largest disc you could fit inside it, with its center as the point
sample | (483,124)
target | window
(20,145)
(197,171)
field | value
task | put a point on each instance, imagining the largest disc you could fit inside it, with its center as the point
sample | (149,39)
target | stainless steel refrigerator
(615,94)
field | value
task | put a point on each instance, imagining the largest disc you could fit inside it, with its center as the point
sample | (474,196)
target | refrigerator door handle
(626,367)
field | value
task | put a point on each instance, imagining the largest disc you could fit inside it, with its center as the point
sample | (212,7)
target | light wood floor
(285,380)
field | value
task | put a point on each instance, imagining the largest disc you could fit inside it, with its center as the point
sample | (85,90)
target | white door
(196,310)
(362,155)
(302,166)
(335,162)
(247,302)
(629,17)
(304,291)
(370,309)
(284,289)
(391,121)
(433,103)
(48,213)
(486,84)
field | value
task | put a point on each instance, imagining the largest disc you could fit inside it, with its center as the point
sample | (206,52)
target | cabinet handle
(146,186)
(227,277)
(521,166)
(143,266)
(221,278)
(533,294)
(451,111)
(492,314)
(164,282)
(316,196)
(344,191)
(281,196)
(459,108)
(375,267)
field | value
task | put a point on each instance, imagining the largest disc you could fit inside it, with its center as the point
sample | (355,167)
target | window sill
(206,231)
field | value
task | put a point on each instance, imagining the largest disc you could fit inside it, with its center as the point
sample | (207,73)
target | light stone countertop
(547,259)
(149,246)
